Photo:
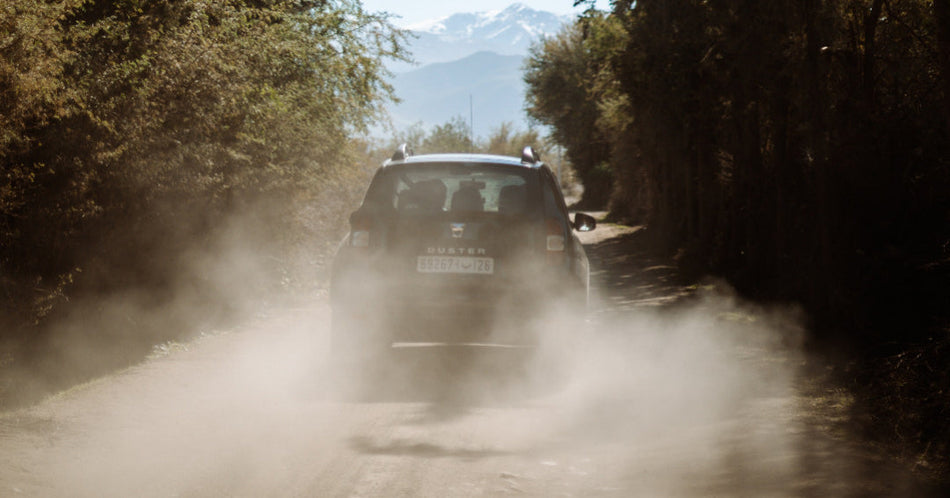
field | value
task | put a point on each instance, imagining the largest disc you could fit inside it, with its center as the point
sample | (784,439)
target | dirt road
(657,396)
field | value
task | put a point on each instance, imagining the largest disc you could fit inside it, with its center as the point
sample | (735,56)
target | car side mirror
(584,222)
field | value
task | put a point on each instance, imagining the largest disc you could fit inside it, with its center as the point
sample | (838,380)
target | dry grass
(904,403)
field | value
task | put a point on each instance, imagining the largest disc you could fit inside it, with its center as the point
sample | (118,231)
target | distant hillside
(438,92)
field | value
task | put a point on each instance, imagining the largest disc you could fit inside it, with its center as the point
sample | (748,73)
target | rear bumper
(446,314)
(413,307)
(464,323)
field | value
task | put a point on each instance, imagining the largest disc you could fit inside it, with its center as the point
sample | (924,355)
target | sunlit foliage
(568,82)
(131,128)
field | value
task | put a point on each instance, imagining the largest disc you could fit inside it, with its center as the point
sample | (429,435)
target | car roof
(461,159)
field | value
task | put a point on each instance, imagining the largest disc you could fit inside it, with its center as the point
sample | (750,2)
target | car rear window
(426,189)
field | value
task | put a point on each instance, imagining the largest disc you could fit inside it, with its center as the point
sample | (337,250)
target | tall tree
(558,74)
(139,126)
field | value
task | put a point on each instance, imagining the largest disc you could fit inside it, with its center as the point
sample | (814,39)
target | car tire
(357,342)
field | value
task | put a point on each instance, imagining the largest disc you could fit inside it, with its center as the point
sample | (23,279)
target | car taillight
(360,231)
(554,242)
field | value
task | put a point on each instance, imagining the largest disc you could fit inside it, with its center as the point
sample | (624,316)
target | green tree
(132,129)
(561,74)
(798,148)
(507,141)
(454,135)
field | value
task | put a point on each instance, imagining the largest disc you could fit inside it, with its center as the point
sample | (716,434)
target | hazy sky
(413,11)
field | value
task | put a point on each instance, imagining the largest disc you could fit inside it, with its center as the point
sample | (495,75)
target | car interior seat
(467,198)
(512,199)
(427,196)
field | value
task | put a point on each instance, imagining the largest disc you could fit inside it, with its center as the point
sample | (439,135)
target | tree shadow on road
(626,274)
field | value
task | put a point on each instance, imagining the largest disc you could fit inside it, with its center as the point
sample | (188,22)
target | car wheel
(358,341)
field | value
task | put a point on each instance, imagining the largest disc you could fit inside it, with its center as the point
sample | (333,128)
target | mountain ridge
(470,63)
(491,83)
(509,31)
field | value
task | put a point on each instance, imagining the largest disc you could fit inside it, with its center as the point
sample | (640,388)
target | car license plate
(455,264)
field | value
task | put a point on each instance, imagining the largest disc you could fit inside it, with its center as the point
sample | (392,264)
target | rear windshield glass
(427,189)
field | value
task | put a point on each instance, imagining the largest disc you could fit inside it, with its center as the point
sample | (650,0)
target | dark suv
(456,248)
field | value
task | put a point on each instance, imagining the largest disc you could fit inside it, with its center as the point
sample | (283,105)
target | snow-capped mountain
(469,64)
(507,32)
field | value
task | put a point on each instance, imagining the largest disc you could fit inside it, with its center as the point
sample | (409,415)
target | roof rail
(403,152)
(529,156)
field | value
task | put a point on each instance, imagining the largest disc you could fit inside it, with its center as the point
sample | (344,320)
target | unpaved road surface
(655,396)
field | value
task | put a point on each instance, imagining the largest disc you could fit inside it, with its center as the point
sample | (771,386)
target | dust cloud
(692,399)
(688,396)
(182,282)
(684,400)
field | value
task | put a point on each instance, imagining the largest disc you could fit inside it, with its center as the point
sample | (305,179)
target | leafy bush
(134,133)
